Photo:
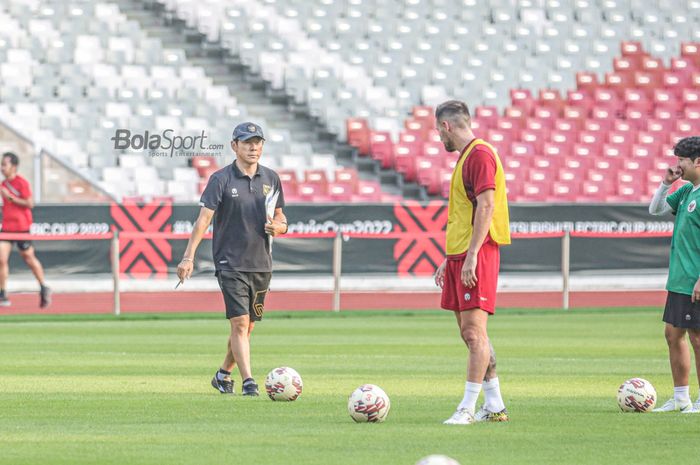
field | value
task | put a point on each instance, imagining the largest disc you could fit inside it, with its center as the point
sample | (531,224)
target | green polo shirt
(684,266)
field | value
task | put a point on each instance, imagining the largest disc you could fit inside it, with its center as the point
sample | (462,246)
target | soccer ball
(437,460)
(369,404)
(283,384)
(636,395)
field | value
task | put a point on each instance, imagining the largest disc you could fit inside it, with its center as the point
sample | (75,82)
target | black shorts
(244,292)
(21,245)
(681,312)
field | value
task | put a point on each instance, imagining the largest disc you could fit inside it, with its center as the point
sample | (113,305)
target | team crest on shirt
(234,192)
(266,189)
(691,206)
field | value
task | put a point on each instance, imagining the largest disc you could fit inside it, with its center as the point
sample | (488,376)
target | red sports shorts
(457,297)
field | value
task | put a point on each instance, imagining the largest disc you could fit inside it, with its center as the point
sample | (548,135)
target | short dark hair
(688,147)
(454,110)
(14,159)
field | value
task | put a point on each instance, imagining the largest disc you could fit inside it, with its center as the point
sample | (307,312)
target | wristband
(186,259)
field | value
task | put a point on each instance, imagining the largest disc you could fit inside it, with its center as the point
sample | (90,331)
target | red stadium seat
(368,191)
(637,117)
(692,113)
(620,137)
(546,113)
(500,139)
(555,150)
(632,49)
(675,81)
(652,65)
(647,82)
(551,98)
(318,179)
(487,115)
(348,177)
(358,134)
(644,152)
(606,98)
(340,192)
(585,81)
(690,97)
(382,148)
(624,127)
(640,165)
(520,150)
(535,191)
(565,191)
(586,151)
(580,97)
(420,126)
(204,165)
(405,161)
(567,175)
(313,193)
(515,113)
(691,51)
(424,113)
(683,66)
(591,138)
(686,127)
(522,99)
(534,138)
(576,114)
(605,115)
(618,82)
(567,126)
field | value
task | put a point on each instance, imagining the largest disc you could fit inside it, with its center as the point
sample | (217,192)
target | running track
(183,301)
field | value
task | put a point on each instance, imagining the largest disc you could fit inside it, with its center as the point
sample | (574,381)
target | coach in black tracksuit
(235,198)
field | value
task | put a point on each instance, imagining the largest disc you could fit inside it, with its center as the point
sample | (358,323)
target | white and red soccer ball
(437,460)
(283,384)
(369,404)
(636,395)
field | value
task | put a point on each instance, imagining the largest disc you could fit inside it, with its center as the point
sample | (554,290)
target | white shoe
(462,416)
(696,404)
(672,406)
(484,414)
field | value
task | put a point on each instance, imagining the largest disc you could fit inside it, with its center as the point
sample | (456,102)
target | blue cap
(245,131)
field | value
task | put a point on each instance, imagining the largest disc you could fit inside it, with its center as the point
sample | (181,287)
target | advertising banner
(414,254)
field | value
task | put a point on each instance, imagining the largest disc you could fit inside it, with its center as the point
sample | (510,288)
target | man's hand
(5,193)
(440,274)
(672,175)
(469,270)
(184,270)
(275,228)
(695,297)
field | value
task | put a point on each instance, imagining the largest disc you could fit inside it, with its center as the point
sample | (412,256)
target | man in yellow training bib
(477,225)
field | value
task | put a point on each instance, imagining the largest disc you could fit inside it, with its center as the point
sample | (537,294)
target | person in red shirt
(17,207)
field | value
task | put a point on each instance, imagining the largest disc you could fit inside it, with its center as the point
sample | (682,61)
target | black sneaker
(44,297)
(4,301)
(224,386)
(250,388)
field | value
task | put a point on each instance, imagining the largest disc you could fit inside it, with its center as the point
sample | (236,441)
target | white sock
(681,394)
(471,394)
(492,396)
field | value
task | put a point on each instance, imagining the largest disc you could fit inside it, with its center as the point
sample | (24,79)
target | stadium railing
(338,239)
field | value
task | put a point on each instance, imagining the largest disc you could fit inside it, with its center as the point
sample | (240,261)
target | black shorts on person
(244,292)
(681,312)
(21,245)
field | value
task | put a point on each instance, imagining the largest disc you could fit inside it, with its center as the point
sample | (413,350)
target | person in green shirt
(682,312)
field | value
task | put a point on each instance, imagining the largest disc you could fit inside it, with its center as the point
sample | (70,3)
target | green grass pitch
(136,390)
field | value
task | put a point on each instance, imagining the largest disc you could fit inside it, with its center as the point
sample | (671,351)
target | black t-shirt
(240,241)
